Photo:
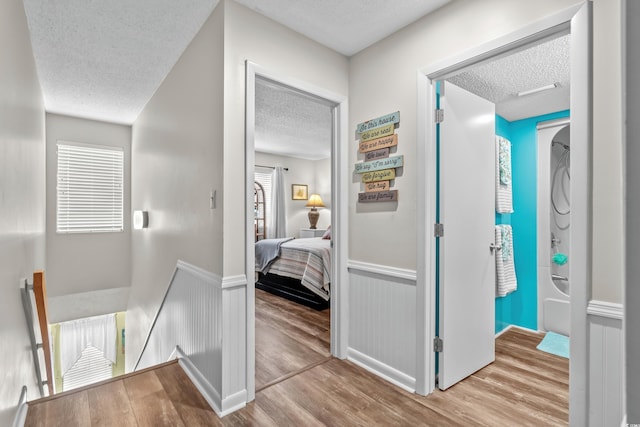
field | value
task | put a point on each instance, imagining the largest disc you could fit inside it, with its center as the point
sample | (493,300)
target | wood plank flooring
(524,387)
(289,338)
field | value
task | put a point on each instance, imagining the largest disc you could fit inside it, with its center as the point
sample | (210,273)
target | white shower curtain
(278,223)
(76,335)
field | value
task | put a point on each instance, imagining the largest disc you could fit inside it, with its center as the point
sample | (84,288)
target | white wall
(86,262)
(250,36)
(314,173)
(22,200)
(608,237)
(176,162)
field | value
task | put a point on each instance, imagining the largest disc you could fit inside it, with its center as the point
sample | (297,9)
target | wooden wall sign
(375,144)
(378,196)
(376,186)
(384,175)
(382,153)
(378,122)
(377,133)
(375,165)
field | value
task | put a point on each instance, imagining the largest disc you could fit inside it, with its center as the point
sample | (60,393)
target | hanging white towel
(76,335)
(504,199)
(506,281)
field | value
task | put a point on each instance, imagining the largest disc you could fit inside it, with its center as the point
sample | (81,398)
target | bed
(296,269)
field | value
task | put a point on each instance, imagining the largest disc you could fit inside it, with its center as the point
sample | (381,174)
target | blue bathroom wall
(520,308)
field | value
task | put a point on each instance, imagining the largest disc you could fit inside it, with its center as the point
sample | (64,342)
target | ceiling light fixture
(538,89)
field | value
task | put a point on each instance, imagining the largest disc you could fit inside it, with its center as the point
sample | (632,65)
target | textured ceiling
(499,81)
(290,123)
(344,26)
(104,59)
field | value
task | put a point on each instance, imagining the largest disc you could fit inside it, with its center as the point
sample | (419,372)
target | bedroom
(293,134)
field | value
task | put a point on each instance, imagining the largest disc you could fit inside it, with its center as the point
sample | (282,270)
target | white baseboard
(233,403)
(211,395)
(382,370)
(516,327)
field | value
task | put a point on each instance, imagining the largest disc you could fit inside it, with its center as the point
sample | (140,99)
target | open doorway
(576,22)
(317,208)
(293,202)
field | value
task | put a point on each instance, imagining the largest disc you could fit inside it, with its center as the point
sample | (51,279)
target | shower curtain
(278,223)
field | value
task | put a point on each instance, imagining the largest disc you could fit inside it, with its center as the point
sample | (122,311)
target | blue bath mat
(555,344)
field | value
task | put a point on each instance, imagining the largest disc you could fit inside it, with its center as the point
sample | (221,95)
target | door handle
(493,248)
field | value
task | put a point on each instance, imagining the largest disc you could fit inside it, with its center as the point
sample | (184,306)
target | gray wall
(22,200)
(176,163)
(314,173)
(632,139)
(85,262)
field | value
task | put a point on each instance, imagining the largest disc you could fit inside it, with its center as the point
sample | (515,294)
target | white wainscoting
(202,322)
(382,321)
(606,364)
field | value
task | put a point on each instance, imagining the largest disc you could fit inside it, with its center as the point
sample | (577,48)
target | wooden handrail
(40,293)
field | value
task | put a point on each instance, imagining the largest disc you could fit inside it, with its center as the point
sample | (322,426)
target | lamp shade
(315,201)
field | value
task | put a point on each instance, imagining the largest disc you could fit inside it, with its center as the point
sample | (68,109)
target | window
(264,178)
(90,188)
(91,368)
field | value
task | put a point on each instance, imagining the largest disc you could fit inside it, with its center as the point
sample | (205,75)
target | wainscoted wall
(382,321)
(606,364)
(202,322)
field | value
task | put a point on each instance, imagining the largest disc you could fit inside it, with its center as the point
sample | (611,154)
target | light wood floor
(524,386)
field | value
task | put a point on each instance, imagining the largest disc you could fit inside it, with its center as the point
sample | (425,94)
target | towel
(504,201)
(505,268)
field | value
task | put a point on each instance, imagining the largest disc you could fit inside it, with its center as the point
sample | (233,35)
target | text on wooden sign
(378,196)
(377,133)
(383,175)
(376,144)
(382,153)
(378,122)
(375,165)
(376,186)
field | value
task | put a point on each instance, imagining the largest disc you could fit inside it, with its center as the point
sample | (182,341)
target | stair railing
(40,293)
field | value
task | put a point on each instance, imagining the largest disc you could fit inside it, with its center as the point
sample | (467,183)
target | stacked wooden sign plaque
(377,137)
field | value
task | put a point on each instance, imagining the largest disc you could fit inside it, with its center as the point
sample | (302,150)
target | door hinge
(438,230)
(439,115)
(437,345)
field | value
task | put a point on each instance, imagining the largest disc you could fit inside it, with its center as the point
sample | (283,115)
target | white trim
(339,219)
(382,270)
(231,282)
(382,370)
(578,20)
(508,328)
(23,408)
(199,273)
(553,123)
(539,30)
(606,309)
(222,407)
(234,402)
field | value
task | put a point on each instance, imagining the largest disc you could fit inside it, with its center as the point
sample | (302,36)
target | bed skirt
(290,289)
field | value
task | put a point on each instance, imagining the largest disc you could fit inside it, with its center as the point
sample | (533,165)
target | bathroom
(530,90)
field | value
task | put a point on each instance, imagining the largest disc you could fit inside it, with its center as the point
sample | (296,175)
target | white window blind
(91,368)
(90,188)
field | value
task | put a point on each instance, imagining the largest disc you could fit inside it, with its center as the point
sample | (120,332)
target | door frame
(577,21)
(339,209)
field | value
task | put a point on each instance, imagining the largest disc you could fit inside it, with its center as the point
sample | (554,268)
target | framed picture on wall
(299,192)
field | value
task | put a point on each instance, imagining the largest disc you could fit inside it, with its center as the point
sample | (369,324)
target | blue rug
(555,344)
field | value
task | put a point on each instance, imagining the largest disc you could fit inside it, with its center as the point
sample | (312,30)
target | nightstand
(310,232)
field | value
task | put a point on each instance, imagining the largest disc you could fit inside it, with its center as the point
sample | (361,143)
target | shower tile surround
(520,308)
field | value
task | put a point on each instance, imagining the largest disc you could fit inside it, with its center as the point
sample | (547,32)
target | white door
(467,211)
